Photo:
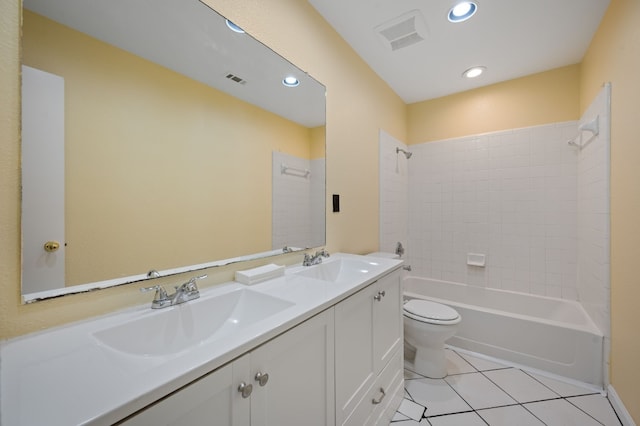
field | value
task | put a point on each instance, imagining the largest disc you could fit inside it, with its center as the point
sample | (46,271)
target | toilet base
(430,362)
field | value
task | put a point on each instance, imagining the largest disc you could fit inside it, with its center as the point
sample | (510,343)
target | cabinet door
(212,400)
(300,387)
(355,368)
(387,319)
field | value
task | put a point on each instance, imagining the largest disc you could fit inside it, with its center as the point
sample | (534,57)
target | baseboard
(619,407)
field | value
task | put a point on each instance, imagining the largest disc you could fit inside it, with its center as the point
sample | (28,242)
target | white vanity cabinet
(300,364)
(369,369)
(297,388)
(211,400)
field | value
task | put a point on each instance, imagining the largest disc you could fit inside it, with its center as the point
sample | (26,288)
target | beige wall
(614,55)
(136,136)
(542,98)
(358,105)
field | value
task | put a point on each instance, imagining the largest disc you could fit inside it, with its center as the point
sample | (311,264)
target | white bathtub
(544,333)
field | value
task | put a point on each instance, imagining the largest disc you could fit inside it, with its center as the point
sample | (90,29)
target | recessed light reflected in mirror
(462,11)
(233,27)
(473,72)
(290,81)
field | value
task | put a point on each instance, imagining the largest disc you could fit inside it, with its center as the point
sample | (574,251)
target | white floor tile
(456,364)
(509,416)
(598,407)
(561,388)
(482,364)
(495,395)
(411,409)
(478,391)
(559,412)
(436,395)
(466,419)
(399,416)
(406,423)
(408,374)
(521,386)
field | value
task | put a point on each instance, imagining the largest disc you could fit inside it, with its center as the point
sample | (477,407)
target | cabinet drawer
(391,380)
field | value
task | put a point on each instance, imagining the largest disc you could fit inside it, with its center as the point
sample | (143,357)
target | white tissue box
(259,274)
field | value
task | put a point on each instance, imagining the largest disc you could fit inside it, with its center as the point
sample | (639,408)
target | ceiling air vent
(403,31)
(236,79)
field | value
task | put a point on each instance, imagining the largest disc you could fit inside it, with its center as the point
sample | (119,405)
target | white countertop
(65,376)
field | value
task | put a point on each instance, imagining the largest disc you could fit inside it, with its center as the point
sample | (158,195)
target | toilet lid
(430,310)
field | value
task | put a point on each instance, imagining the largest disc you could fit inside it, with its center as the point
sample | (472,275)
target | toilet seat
(430,312)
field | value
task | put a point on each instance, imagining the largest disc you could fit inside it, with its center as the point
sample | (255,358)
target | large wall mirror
(155,137)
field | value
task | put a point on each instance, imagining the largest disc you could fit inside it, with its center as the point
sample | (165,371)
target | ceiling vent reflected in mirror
(237,79)
(403,31)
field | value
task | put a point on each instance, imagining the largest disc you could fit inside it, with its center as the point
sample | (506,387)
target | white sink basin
(171,330)
(341,270)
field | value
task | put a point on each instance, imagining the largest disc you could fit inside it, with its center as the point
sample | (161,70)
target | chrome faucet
(184,293)
(315,259)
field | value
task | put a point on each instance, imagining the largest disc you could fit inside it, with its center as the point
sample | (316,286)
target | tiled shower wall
(535,206)
(511,196)
(593,215)
(394,188)
(297,203)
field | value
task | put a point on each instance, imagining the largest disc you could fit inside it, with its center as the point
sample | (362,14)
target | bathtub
(543,333)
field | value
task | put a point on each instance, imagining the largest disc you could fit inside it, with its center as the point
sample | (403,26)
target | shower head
(406,153)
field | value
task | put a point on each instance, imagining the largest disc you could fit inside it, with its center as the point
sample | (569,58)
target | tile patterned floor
(481,392)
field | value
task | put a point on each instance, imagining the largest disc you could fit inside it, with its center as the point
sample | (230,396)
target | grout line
(586,412)
(540,382)
(614,411)
(530,412)
(464,359)
(516,402)
(471,410)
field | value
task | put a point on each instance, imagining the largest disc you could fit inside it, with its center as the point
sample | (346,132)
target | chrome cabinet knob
(380,295)
(245,389)
(262,378)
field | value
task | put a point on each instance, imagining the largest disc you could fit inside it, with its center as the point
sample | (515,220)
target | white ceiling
(512,38)
(190,38)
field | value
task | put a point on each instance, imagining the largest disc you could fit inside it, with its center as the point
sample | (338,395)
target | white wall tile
(394,194)
(592,216)
(538,207)
(513,194)
(298,203)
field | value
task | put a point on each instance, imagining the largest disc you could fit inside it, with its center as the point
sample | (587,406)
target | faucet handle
(191,284)
(161,293)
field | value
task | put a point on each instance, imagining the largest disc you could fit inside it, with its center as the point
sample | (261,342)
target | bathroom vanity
(318,346)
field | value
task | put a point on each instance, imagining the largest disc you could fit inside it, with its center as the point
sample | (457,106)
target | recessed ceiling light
(234,27)
(290,81)
(473,72)
(462,11)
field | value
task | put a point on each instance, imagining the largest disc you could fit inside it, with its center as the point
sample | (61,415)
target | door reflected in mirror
(175,132)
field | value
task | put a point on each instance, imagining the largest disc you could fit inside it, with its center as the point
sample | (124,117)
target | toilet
(427,325)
